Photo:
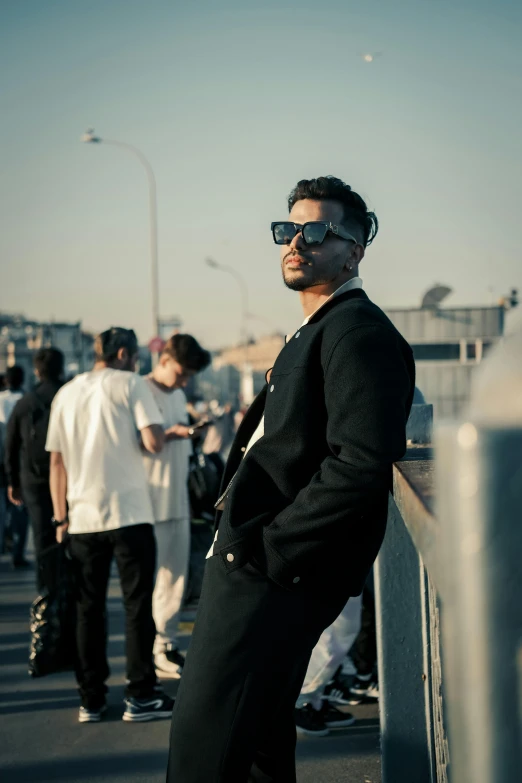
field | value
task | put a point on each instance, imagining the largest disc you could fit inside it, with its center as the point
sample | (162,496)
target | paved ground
(41,740)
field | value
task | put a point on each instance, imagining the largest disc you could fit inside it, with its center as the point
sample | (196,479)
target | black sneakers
(317,723)
(335,719)
(310,721)
(90,715)
(141,710)
(338,690)
(22,563)
(365,688)
(169,664)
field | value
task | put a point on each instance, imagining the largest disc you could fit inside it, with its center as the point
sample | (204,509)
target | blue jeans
(18,521)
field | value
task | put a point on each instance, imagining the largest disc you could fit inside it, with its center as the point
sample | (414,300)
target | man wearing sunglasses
(304,504)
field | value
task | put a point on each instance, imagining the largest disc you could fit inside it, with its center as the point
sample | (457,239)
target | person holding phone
(167,475)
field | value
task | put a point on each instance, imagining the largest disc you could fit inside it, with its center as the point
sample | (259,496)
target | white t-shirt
(8,400)
(94,424)
(167,472)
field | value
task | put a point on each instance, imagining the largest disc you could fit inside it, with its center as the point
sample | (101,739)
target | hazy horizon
(233,105)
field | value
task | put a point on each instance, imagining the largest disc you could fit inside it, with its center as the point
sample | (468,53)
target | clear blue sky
(233,102)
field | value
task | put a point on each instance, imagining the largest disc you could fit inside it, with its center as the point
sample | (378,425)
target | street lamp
(91,138)
(247,389)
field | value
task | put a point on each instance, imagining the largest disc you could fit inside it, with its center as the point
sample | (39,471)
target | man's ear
(122,356)
(359,253)
(356,256)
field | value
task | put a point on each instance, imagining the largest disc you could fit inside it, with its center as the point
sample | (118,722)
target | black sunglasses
(313,233)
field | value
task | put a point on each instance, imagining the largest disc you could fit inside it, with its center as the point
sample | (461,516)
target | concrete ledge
(419,428)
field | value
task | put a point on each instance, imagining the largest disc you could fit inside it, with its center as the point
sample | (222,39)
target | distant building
(448,344)
(20,338)
(236,369)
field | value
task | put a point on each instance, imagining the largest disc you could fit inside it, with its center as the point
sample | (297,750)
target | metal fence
(449,597)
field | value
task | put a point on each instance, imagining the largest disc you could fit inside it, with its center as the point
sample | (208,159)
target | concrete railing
(449,596)
(414,744)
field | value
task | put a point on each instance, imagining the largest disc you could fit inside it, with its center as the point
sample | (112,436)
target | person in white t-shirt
(167,474)
(102,504)
(14,379)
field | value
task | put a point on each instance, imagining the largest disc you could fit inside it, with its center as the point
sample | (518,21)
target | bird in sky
(369,57)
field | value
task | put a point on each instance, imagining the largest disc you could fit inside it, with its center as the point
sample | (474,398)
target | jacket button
(230,557)
(297,334)
(272,388)
(243,448)
(296,580)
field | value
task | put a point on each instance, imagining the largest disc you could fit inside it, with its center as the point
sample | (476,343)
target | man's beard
(301,284)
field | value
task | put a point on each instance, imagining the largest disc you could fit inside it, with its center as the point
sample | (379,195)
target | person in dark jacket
(304,507)
(26,461)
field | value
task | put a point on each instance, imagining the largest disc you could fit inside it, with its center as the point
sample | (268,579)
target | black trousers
(134,549)
(364,649)
(233,720)
(37,498)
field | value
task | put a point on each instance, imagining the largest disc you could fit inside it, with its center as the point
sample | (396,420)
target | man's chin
(297,283)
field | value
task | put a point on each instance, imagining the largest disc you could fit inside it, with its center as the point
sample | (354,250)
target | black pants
(37,498)
(134,549)
(18,523)
(364,649)
(234,716)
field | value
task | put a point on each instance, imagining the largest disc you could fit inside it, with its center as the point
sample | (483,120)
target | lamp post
(247,390)
(91,138)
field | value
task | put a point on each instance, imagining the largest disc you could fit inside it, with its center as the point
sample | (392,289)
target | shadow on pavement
(40,706)
(52,693)
(116,767)
(15,638)
(338,744)
(21,609)
(16,654)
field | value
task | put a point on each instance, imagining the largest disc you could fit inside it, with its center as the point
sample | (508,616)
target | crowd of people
(101,464)
(88,446)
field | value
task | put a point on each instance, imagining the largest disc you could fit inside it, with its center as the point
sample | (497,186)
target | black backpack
(204,481)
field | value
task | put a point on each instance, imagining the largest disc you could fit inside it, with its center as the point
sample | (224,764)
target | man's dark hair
(356,214)
(186,350)
(15,377)
(49,364)
(108,343)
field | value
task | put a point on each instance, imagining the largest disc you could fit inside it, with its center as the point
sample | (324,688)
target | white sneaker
(169,664)
(87,715)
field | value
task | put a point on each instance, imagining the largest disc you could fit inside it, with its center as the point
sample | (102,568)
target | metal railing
(449,598)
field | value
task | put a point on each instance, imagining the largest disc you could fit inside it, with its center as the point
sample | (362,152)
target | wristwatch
(59,522)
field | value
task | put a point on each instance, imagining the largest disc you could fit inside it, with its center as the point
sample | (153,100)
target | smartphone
(201,424)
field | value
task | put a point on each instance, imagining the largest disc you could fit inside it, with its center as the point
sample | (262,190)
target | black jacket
(308,503)
(26,461)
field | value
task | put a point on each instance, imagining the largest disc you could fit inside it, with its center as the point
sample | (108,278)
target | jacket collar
(356,293)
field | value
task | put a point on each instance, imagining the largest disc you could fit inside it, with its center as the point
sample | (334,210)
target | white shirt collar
(350,285)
